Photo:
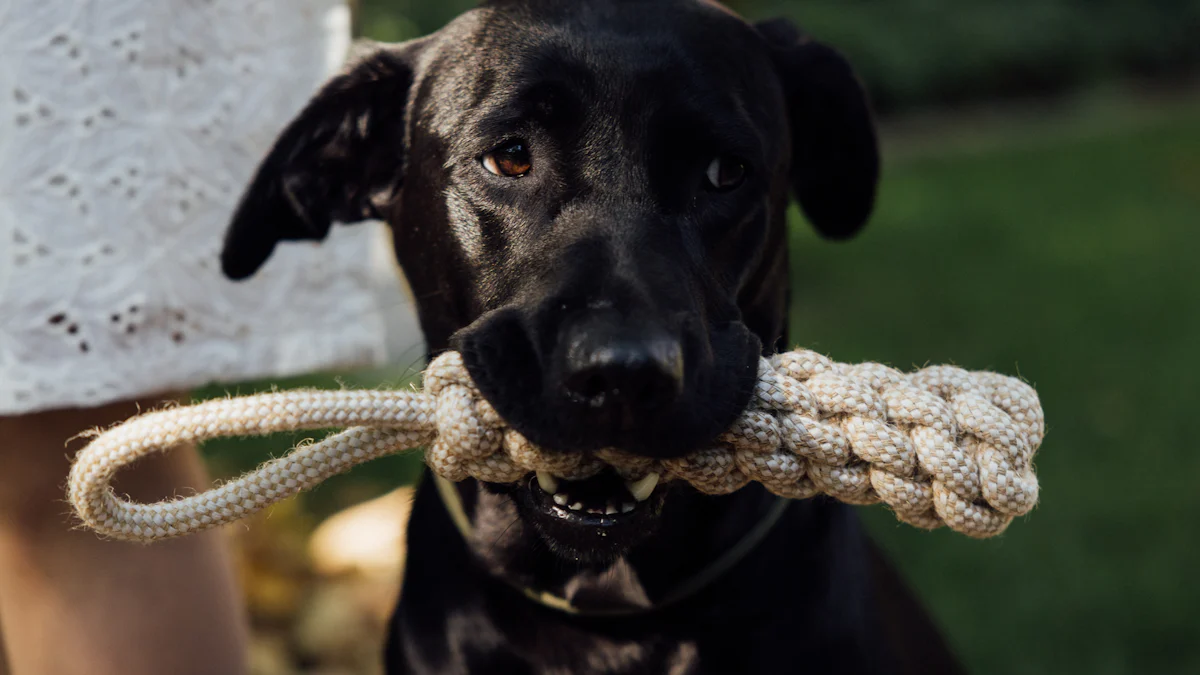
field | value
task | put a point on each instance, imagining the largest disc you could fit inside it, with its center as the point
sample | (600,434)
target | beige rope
(940,446)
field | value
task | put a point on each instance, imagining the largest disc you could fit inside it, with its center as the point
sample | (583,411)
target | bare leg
(73,604)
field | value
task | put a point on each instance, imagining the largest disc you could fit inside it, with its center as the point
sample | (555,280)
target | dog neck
(684,556)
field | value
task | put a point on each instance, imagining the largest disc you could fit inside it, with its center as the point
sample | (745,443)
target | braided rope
(940,446)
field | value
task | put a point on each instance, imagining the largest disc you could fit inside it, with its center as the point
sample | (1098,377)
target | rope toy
(940,446)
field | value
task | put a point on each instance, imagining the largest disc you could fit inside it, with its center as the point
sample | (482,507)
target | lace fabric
(127,130)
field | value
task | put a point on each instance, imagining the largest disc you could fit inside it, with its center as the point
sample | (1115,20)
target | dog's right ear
(345,148)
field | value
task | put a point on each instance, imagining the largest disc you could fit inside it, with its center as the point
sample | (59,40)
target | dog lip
(605,523)
(588,509)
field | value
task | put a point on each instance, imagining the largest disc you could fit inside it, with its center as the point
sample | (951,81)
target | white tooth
(610,509)
(560,499)
(548,482)
(577,506)
(626,507)
(641,489)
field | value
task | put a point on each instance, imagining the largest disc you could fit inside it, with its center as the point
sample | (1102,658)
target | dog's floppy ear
(343,148)
(835,155)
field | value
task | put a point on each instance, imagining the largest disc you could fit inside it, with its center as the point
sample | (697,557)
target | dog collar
(710,573)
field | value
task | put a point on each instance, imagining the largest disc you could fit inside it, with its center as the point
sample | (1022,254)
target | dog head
(588,199)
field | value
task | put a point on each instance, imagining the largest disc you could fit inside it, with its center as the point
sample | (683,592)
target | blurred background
(1039,215)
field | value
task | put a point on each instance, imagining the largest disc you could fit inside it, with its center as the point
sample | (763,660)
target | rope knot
(468,428)
(939,446)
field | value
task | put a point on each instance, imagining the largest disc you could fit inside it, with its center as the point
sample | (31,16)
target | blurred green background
(1040,215)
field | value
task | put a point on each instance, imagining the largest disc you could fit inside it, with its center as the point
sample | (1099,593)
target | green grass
(1072,261)
(1065,252)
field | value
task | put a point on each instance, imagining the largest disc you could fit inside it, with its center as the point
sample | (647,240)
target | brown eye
(511,160)
(725,172)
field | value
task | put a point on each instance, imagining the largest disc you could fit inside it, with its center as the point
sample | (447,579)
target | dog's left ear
(835,154)
(345,148)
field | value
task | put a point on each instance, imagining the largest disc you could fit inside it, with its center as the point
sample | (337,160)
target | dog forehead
(549,11)
(616,35)
(610,48)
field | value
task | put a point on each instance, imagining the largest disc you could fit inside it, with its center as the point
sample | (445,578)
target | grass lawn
(1065,253)
(1068,255)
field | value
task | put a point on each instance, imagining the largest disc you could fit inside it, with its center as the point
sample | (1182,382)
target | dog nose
(621,369)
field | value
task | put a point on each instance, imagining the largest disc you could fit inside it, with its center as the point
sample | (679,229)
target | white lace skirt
(128,129)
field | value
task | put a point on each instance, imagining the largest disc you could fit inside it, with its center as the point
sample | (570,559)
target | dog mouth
(604,500)
(592,520)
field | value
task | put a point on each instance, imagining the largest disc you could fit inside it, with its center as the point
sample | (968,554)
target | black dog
(588,199)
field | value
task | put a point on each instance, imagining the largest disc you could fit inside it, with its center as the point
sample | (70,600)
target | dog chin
(590,522)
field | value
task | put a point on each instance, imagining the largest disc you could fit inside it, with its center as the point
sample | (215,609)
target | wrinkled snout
(613,346)
(599,378)
(618,371)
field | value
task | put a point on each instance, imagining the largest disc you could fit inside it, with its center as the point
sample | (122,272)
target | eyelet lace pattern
(127,130)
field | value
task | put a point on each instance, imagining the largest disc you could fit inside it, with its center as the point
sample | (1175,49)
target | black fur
(612,250)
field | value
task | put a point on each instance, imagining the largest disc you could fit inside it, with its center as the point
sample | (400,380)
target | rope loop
(939,446)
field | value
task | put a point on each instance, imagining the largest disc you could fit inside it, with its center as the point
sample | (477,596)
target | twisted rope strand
(939,446)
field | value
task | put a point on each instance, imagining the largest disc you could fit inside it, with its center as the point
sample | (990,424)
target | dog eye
(512,160)
(725,172)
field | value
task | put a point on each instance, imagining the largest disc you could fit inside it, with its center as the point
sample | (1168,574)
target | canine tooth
(626,507)
(641,489)
(560,499)
(610,509)
(548,482)
(577,506)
